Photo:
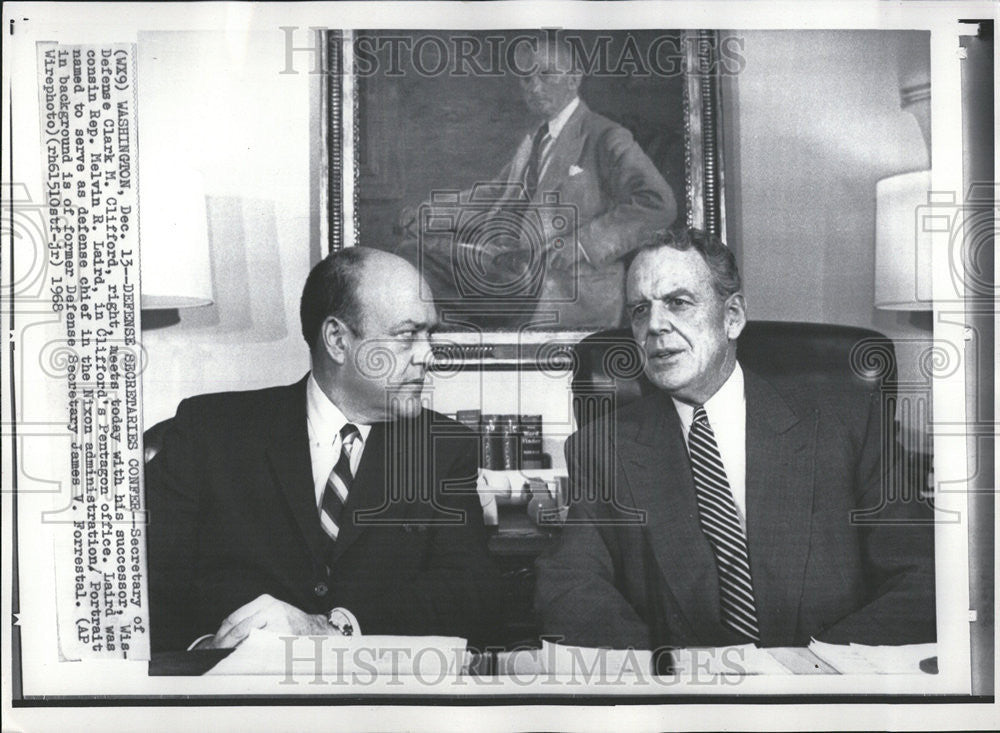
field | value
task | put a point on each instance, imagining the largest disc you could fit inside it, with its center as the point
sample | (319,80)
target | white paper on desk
(511,484)
(604,663)
(268,653)
(864,659)
(741,659)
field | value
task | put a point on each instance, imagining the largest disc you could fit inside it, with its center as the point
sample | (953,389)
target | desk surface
(185,664)
(522,662)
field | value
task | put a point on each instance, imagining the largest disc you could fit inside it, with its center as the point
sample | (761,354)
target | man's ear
(736,315)
(335,339)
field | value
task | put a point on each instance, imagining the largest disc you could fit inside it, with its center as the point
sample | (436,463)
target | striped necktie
(721,525)
(534,168)
(338,485)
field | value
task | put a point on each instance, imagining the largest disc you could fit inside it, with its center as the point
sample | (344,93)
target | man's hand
(566,256)
(266,612)
(406,223)
(505,260)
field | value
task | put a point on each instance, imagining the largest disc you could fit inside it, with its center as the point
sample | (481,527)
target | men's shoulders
(611,140)
(623,422)
(247,406)
(450,437)
(802,398)
(598,124)
(451,424)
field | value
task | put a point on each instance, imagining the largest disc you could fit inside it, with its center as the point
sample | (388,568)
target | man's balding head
(367,316)
(343,281)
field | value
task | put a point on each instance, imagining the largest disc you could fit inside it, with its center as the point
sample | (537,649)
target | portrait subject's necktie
(721,524)
(338,485)
(539,143)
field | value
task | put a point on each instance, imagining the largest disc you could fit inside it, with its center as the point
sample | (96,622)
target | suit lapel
(365,489)
(658,471)
(565,151)
(780,463)
(289,459)
(517,165)
(388,465)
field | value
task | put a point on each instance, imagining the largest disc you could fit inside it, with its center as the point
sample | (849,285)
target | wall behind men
(216,102)
(818,124)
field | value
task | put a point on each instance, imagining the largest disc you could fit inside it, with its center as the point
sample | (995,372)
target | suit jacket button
(320,589)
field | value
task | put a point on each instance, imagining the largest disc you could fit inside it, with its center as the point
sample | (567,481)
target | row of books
(507,442)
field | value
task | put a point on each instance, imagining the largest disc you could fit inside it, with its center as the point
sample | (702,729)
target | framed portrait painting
(520,170)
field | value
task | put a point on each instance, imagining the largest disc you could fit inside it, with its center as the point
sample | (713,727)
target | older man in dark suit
(585,192)
(333,505)
(718,511)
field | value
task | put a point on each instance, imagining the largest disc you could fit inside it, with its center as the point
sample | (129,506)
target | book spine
(491,457)
(531,441)
(510,442)
(469,418)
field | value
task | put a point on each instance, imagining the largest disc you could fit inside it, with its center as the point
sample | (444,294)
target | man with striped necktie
(718,510)
(334,505)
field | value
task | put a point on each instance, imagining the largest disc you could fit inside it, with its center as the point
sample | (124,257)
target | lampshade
(173,238)
(902,246)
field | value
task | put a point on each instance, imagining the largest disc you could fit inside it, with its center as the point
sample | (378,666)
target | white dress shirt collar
(323,423)
(325,418)
(727,414)
(557,123)
(718,407)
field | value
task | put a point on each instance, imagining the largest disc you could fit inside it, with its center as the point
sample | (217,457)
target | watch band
(343,622)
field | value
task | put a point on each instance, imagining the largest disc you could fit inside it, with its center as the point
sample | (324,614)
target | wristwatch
(343,622)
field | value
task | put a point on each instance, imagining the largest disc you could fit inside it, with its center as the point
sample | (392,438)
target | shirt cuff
(344,622)
(198,641)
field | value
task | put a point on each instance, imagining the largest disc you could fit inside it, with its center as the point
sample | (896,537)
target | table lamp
(173,239)
(902,244)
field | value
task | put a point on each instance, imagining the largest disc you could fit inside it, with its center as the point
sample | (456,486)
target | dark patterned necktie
(721,524)
(338,485)
(534,167)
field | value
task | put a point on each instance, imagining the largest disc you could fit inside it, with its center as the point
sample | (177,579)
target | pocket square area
(575,170)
